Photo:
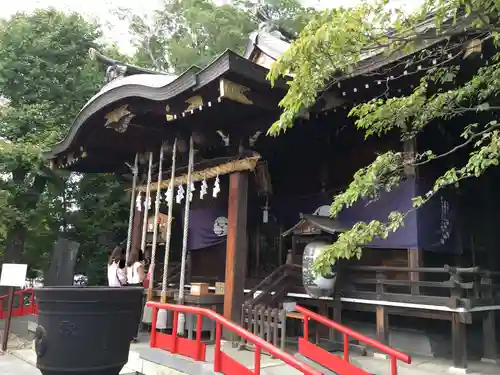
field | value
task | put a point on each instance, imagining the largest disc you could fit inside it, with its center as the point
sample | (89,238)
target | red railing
(342,366)
(222,362)
(20,308)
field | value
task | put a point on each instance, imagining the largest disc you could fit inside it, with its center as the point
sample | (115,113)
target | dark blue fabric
(207,226)
(400,199)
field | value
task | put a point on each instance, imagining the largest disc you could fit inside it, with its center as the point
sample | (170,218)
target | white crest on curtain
(220,226)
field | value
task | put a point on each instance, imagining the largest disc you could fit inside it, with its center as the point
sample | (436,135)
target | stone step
(29,357)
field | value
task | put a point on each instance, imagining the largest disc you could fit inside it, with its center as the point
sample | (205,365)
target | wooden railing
(342,366)
(275,286)
(446,286)
(24,304)
(222,362)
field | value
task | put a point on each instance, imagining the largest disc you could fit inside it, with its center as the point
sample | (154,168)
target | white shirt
(116,275)
(133,276)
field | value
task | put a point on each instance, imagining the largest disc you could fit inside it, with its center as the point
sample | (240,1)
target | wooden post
(382,325)
(136,230)
(6,328)
(490,345)
(280,247)
(459,344)
(337,317)
(189,268)
(294,249)
(382,317)
(257,250)
(237,246)
(490,353)
(414,255)
(414,261)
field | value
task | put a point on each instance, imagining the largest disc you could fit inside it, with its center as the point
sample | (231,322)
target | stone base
(491,361)
(457,371)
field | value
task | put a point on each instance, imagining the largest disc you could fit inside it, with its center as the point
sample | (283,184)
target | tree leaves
(336,40)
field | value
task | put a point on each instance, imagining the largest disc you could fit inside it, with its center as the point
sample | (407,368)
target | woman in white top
(117,276)
(135,274)
(135,269)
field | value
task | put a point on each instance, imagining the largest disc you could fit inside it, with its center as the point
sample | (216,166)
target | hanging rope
(246,164)
(155,230)
(135,171)
(147,201)
(170,203)
(180,329)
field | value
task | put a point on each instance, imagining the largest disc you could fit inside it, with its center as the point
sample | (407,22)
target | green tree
(193,32)
(45,78)
(331,46)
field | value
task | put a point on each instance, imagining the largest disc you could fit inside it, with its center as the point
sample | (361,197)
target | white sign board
(13,275)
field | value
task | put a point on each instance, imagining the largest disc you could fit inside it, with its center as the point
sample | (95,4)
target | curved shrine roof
(156,106)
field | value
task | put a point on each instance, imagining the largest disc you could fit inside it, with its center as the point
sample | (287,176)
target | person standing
(135,277)
(135,269)
(116,268)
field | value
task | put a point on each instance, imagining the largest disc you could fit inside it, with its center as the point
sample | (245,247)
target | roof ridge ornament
(116,69)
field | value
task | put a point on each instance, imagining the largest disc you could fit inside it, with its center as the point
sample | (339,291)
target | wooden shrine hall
(215,201)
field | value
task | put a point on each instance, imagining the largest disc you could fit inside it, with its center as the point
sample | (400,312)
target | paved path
(10,365)
(13,365)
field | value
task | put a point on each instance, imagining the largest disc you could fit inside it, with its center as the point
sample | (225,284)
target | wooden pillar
(294,249)
(257,250)
(337,317)
(237,246)
(280,247)
(415,261)
(136,230)
(490,345)
(459,344)
(382,325)
(189,267)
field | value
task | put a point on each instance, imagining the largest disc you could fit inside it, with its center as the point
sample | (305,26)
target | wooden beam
(237,246)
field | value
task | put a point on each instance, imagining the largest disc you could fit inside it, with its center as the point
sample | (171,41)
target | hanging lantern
(204,188)
(138,202)
(180,194)
(216,187)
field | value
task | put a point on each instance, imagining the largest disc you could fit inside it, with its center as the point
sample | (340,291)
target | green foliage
(330,48)
(45,78)
(194,32)
(100,222)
